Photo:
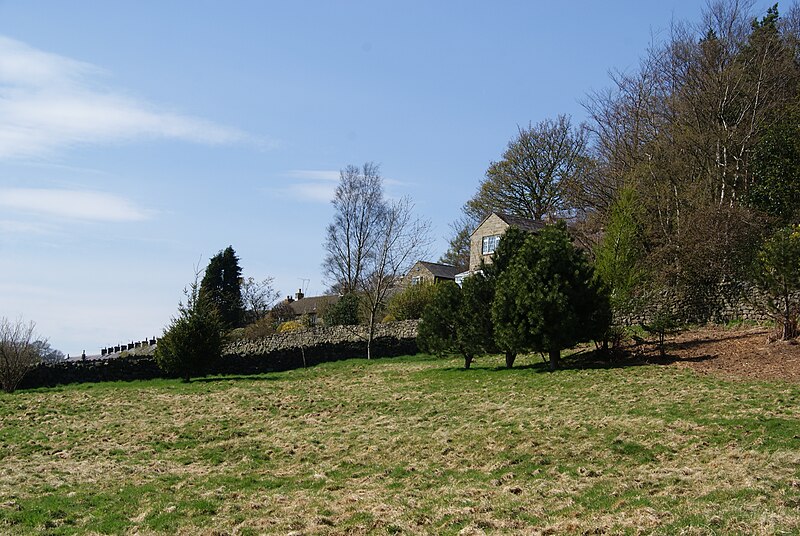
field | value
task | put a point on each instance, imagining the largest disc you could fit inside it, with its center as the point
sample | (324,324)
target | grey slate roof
(312,304)
(526,224)
(445,271)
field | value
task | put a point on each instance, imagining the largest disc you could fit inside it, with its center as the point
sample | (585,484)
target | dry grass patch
(405,446)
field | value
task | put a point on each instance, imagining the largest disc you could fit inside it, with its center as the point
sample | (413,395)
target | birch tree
(402,240)
(352,236)
(371,242)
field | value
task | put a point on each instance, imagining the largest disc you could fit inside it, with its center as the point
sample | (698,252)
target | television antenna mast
(304,285)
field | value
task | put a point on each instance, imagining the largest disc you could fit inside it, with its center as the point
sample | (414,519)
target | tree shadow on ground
(598,360)
(632,356)
(635,355)
(237,378)
(694,343)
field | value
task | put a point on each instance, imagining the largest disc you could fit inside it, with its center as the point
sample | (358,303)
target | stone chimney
(299,296)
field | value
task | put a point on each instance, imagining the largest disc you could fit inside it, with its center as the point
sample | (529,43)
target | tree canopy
(701,137)
(456,319)
(533,177)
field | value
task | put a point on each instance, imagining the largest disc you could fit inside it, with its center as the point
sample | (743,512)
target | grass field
(405,446)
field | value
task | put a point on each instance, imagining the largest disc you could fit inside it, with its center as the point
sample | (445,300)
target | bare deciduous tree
(352,236)
(457,253)
(371,242)
(403,239)
(17,351)
(258,297)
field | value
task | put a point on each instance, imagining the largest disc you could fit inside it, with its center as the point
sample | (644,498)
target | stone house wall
(493,225)
(418,270)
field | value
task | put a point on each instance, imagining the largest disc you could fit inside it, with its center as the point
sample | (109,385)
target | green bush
(409,303)
(662,325)
(779,276)
(191,344)
(344,312)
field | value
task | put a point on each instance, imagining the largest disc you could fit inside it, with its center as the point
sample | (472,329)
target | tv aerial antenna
(304,285)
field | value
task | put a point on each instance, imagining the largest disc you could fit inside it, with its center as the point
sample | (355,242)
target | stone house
(311,306)
(486,237)
(428,272)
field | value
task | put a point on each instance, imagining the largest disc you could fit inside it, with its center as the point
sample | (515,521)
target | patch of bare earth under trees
(747,353)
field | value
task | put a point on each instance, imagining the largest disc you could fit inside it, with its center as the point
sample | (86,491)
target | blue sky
(137,139)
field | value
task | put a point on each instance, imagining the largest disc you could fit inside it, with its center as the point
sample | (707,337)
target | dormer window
(489,244)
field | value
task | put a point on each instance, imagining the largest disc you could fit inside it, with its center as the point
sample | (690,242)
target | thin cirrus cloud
(60,204)
(50,102)
(315,186)
(318,186)
(316,175)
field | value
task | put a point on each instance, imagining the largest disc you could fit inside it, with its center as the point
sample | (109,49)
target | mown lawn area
(406,446)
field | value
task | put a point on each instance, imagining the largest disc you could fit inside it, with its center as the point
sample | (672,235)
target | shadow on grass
(595,359)
(238,378)
(683,345)
(599,360)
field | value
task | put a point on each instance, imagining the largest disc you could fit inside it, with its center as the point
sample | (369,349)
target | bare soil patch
(744,353)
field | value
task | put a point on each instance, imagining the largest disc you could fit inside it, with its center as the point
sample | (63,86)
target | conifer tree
(193,340)
(457,320)
(779,276)
(548,298)
(619,255)
(220,288)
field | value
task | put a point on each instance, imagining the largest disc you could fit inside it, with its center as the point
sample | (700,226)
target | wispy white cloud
(314,186)
(69,204)
(318,186)
(12,227)
(49,102)
(314,175)
(317,192)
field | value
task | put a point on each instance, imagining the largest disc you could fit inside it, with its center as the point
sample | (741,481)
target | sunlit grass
(406,445)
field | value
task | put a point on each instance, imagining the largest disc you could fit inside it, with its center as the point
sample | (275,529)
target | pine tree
(193,341)
(220,288)
(779,276)
(457,320)
(548,298)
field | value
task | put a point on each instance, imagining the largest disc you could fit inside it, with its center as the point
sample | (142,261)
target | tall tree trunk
(370,333)
(510,357)
(467,361)
(555,358)
(787,315)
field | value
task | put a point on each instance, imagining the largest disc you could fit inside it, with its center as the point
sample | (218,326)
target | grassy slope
(410,445)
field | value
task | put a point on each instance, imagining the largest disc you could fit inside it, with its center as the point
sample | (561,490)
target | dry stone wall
(282,351)
(724,303)
(325,337)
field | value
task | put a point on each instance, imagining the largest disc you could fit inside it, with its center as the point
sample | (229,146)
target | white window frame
(489,244)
